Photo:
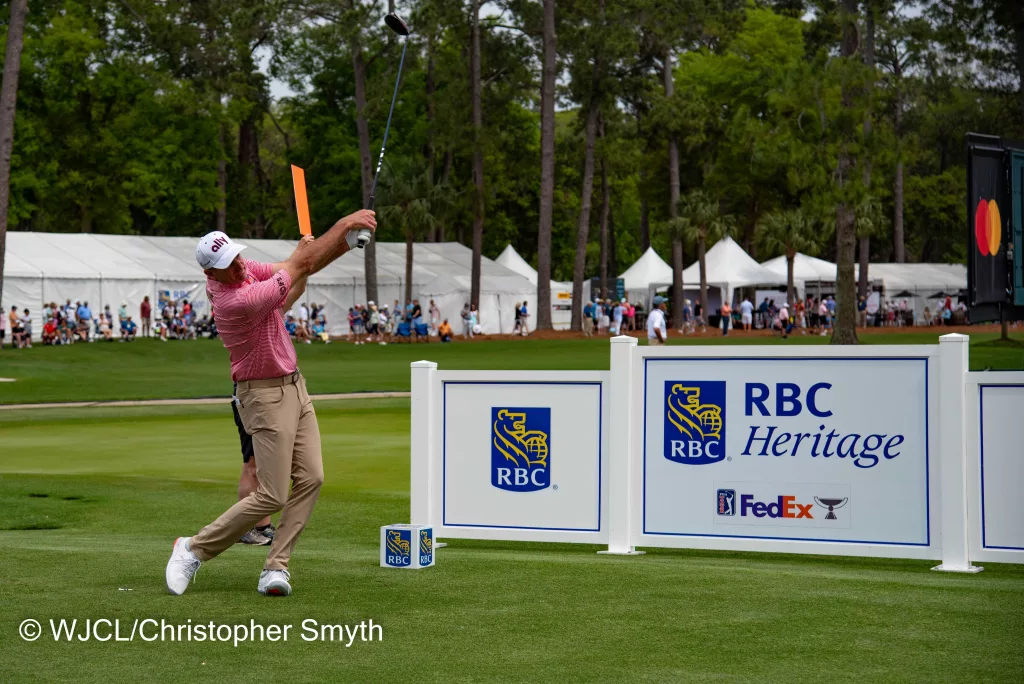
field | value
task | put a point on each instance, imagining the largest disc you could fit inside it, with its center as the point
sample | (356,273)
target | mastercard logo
(987,227)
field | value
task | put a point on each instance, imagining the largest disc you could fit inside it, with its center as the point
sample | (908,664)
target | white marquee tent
(561,293)
(728,267)
(109,269)
(499,295)
(805,268)
(650,269)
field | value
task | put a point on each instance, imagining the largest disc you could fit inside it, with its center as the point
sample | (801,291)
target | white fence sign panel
(823,448)
(885,451)
(996,473)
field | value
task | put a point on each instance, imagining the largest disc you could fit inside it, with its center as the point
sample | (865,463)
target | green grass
(149,369)
(93,498)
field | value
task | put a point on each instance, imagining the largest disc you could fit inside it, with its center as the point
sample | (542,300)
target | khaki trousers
(279,415)
(588,326)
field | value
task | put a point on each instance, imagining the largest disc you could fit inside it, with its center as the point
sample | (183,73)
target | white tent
(561,293)
(920,280)
(729,267)
(804,268)
(498,297)
(109,269)
(650,269)
(511,260)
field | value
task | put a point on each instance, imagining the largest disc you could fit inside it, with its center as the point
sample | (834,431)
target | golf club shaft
(364,235)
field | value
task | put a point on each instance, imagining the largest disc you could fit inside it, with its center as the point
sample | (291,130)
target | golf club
(396,24)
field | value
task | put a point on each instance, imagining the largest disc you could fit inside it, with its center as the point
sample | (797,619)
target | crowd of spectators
(609,317)
(396,323)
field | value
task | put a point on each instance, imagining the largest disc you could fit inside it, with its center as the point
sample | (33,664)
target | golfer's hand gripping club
(396,24)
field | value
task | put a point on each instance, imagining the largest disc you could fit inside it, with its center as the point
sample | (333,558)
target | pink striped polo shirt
(249,322)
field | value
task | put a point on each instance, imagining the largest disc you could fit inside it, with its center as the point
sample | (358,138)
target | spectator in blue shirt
(588,320)
(84,315)
(127,329)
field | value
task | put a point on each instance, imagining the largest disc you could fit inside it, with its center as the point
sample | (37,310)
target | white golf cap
(216,250)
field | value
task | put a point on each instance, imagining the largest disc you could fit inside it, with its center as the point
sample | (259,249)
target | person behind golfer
(248,298)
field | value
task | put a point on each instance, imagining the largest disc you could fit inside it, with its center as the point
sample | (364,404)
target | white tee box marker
(407,547)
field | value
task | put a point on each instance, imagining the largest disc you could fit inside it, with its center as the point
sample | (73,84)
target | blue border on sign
(927,451)
(981,453)
(444,450)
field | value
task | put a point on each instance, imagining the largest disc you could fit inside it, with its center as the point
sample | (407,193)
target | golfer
(247,299)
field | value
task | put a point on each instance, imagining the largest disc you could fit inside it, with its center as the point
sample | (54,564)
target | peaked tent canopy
(498,297)
(804,268)
(729,267)
(649,269)
(511,260)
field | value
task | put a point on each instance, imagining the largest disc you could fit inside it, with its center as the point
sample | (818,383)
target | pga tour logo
(695,421)
(520,461)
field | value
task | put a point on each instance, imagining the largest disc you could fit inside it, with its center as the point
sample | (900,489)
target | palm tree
(703,223)
(412,202)
(790,231)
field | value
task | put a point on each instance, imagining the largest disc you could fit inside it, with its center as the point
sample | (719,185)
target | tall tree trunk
(547,168)
(253,224)
(613,258)
(583,225)
(408,265)
(845,331)
(677,283)
(897,190)
(673,203)
(645,214)
(8,101)
(429,153)
(446,173)
(673,145)
(222,179)
(897,218)
(869,62)
(363,131)
(701,253)
(790,282)
(478,156)
(603,226)
(864,257)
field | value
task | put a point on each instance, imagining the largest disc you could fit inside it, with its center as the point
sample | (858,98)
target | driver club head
(396,24)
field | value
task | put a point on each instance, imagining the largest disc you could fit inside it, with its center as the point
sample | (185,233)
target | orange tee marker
(301,204)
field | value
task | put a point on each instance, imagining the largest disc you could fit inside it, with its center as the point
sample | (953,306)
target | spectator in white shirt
(746,314)
(656,330)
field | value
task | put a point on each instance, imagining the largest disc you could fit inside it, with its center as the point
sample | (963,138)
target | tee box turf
(406,546)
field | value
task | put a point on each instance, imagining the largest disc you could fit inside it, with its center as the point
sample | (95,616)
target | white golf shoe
(274,583)
(182,566)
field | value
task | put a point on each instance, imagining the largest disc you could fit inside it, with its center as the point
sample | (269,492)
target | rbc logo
(426,547)
(399,548)
(519,449)
(695,421)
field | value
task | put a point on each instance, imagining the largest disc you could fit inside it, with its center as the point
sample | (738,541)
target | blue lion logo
(520,461)
(695,421)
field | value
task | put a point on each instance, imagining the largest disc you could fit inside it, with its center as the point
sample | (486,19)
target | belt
(291,379)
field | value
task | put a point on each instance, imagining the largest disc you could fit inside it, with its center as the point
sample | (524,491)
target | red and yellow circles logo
(987,227)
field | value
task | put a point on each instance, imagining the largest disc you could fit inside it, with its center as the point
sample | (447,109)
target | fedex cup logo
(399,548)
(519,449)
(695,421)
